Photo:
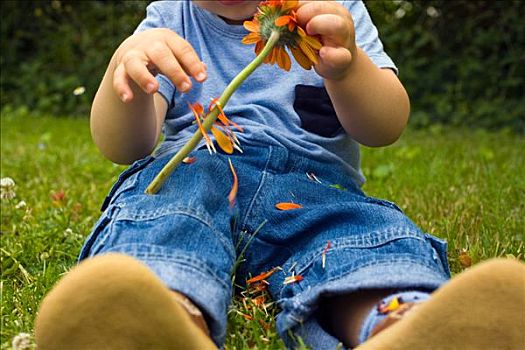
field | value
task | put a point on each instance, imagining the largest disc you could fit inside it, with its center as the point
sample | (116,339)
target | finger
(161,55)
(334,57)
(121,84)
(187,57)
(334,29)
(309,9)
(137,71)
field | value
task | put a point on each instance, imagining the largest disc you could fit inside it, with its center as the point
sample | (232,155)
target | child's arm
(371,103)
(127,113)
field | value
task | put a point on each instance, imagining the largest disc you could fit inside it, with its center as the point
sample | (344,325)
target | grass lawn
(467,187)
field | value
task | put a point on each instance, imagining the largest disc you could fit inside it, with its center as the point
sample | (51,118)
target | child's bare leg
(115,302)
(193,311)
(479,309)
(344,315)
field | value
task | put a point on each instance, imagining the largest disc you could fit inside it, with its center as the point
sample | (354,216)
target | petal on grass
(261,276)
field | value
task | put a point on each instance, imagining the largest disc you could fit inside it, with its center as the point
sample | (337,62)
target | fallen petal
(235,186)
(189,160)
(287,206)
(293,279)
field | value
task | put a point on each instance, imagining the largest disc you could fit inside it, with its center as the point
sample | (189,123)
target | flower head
(281,16)
(7,188)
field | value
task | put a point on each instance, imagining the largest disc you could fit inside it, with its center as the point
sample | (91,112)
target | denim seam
(177,210)
(262,181)
(365,242)
(304,285)
(183,263)
(297,304)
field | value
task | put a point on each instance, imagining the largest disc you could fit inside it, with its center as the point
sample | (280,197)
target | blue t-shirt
(274,107)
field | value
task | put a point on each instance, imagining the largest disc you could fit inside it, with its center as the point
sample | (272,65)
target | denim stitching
(186,261)
(262,181)
(201,216)
(377,263)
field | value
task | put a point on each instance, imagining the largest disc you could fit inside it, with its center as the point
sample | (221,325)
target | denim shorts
(190,237)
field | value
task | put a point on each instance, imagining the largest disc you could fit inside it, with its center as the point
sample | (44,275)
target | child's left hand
(334,25)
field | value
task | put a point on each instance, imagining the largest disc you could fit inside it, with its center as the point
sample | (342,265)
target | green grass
(467,187)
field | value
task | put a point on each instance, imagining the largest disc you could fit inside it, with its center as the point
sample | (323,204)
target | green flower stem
(211,117)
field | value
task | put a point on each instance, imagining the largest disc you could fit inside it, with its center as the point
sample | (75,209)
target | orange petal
(293,279)
(287,206)
(251,38)
(195,109)
(283,60)
(282,21)
(224,142)
(313,42)
(261,276)
(301,58)
(252,26)
(393,305)
(189,160)
(289,5)
(308,51)
(259,47)
(235,186)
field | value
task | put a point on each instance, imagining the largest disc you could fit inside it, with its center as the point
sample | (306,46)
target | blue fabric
(190,238)
(264,104)
(374,316)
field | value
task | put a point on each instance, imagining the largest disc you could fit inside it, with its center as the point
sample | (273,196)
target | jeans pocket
(126,180)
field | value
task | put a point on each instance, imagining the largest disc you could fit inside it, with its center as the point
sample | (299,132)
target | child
(364,265)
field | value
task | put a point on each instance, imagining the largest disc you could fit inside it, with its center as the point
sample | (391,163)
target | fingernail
(124,97)
(201,76)
(150,87)
(185,86)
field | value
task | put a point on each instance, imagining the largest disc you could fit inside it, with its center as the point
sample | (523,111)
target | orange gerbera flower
(281,15)
(226,139)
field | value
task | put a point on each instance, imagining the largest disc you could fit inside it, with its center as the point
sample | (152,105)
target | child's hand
(141,56)
(334,25)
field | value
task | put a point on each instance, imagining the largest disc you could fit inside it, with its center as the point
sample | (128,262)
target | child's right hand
(143,55)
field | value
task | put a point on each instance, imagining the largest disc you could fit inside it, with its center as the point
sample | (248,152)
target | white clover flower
(20,205)
(7,186)
(400,13)
(7,182)
(22,341)
(79,90)
(432,12)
